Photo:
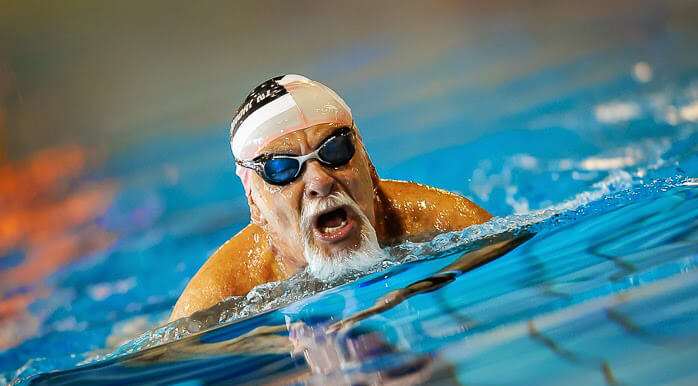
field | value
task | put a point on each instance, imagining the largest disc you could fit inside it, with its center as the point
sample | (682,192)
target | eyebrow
(334,133)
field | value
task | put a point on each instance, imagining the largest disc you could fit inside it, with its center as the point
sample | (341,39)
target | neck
(384,215)
(289,265)
(390,227)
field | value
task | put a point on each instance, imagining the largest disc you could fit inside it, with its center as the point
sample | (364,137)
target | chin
(332,265)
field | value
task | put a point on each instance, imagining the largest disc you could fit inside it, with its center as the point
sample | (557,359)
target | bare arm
(239,265)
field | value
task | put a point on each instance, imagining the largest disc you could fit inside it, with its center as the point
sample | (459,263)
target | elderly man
(315,199)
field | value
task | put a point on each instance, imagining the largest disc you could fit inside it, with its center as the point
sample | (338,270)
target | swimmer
(316,201)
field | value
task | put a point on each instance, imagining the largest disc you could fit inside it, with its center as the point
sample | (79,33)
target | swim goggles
(282,169)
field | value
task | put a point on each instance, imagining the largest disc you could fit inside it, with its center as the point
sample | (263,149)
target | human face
(333,231)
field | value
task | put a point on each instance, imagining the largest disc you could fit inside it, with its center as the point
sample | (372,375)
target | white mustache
(316,206)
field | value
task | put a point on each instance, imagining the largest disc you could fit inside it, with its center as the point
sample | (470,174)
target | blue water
(592,154)
(582,302)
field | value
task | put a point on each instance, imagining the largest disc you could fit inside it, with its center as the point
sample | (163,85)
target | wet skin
(270,247)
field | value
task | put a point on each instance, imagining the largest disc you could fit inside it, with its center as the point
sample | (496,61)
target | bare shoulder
(411,208)
(242,262)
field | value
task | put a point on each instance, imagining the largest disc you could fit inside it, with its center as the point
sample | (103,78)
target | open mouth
(333,225)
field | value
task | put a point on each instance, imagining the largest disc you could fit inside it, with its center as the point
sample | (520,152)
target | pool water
(596,156)
(585,301)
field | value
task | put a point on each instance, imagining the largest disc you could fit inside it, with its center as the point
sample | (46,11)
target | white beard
(326,267)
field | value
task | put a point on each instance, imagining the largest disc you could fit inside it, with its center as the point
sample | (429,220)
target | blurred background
(116,178)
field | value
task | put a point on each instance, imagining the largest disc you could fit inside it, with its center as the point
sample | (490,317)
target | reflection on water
(302,354)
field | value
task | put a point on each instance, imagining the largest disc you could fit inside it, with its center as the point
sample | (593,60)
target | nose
(318,183)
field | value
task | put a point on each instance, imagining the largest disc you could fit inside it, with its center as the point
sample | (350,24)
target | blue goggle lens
(280,171)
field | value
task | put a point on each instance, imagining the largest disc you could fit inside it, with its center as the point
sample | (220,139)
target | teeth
(332,229)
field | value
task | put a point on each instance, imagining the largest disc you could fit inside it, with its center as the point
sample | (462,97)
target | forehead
(312,136)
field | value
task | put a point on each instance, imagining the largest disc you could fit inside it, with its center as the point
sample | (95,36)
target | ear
(255,214)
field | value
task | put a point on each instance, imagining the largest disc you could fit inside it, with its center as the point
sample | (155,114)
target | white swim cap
(280,106)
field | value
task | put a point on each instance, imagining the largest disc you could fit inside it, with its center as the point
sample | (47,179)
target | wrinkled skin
(277,209)
(270,248)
